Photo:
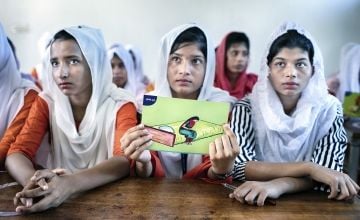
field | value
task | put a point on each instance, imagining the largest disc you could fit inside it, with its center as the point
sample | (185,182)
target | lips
(239,66)
(183,80)
(290,85)
(118,78)
(64,85)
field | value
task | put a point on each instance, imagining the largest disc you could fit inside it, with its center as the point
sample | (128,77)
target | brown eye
(197,61)
(175,59)
(74,61)
(54,63)
(279,64)
(301,65)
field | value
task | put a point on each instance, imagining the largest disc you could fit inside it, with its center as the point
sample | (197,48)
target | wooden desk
(173,199)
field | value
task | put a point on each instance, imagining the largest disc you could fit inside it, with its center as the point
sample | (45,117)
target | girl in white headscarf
(86,115)
(186,70)
(17,96)
(124,75)
(290,130)
(349,75)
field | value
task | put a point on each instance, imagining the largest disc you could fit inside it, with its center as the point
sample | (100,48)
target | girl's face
(290,72)
(237,58)
(186,71)
(70,69)
(119,72)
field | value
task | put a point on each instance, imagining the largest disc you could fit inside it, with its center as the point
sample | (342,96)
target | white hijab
(135,88)
(13,88)
(125,56)
(139,72)
(94,142)
(172,161)
(349,69)
(283,138)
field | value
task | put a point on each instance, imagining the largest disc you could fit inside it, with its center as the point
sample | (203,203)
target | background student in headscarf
(290,129)
(86,115)
(124,75)
(232,60)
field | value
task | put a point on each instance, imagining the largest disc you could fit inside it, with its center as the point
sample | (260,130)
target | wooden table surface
(173,199)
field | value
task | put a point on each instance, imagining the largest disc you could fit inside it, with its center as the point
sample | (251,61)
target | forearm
(103,173)
(19,167)
(293,185)
(264,171)
(144,169)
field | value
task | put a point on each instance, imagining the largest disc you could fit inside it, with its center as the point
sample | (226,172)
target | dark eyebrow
(282,59)
(67,57)
(177,54)
(199,56)
(278,58)
(302,59)
(53,59)
(72,57)
(194,56)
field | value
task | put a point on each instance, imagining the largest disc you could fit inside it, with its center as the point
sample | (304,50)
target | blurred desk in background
(352,126)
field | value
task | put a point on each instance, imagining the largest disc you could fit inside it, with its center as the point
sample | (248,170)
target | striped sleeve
(242,127)
(330,150)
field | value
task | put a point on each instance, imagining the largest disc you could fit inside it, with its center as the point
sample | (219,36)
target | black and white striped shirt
(329,151)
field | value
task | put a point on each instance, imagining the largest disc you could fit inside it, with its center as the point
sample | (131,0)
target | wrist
(213,173)
(222,170)
(75,181)
(144,169)
(143,164)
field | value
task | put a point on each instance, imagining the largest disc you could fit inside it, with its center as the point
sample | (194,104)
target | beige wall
(142,22)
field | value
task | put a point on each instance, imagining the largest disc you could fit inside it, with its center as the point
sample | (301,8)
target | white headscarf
(172,161)
(13,88)
(349,69)
(93,143)
(139,72)
(125,56)
(283,138)
(134,87)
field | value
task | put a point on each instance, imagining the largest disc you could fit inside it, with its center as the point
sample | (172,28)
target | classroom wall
(332,22)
